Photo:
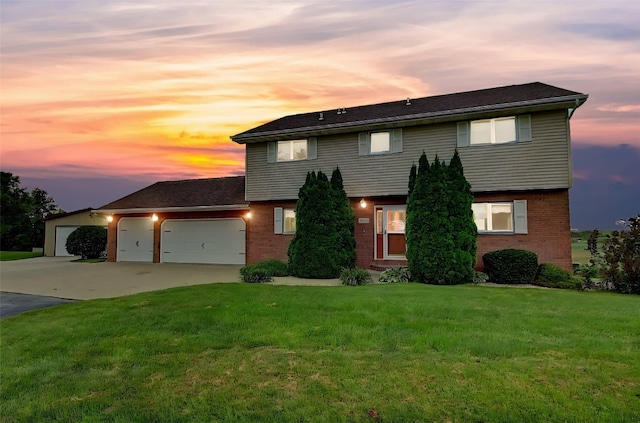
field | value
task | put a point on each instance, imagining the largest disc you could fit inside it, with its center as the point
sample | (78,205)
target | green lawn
(579,253)
(409,352)
(17,255)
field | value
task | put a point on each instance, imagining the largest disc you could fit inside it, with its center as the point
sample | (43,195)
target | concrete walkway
(60,277)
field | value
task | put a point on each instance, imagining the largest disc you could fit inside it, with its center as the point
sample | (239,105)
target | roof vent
(341,111)
(408,103)
(321,116)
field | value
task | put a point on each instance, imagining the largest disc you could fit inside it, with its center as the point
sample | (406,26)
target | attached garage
(135,239)
(207,241)
(191,221)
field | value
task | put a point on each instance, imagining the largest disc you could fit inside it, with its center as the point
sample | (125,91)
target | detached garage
(191,221)
(58,227)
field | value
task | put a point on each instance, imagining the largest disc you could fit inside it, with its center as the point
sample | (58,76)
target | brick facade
(112,230)
(547,215)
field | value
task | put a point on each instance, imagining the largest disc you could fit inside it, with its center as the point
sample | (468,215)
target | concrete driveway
(60,277)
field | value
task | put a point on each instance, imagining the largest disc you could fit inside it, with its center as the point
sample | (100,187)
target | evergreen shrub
(324,242)
(441,233)
(255,274)
(511,266)
(263,271)
(552,276)
(89,242)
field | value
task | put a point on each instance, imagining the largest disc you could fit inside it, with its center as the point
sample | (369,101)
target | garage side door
(62,233)
(210,241)
(135,239)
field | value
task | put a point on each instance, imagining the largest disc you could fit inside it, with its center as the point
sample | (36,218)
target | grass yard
(17,255)
(579,253)
(399,353)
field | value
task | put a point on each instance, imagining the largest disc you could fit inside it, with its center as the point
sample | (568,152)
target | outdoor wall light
(154,217)
(248,215)
(109,218)
(363,204)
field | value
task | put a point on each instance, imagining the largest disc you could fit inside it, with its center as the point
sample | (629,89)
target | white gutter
(172,209)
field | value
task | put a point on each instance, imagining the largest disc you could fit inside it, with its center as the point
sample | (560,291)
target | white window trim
(290,143)
(395,142)
(518,218)
(492,136)
(522,127)
(311,148)
(279,220)
(284,221)
(389,148)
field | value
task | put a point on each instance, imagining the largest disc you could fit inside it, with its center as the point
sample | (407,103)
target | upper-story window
(493,131)
(292,150)
(380,142)
(502,130)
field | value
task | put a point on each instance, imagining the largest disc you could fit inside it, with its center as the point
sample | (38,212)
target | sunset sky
(100,98)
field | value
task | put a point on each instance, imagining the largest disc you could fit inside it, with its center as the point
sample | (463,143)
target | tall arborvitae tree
(312,250)
(434,249)
(461,216)
(413,175)
(345,223)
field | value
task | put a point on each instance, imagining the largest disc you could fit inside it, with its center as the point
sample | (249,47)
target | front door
(390,225)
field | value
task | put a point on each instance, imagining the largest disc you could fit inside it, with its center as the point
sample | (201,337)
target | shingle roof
(188,193)
(535,93)
(65,214)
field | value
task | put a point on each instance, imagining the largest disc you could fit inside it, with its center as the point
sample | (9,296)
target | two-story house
(514,143)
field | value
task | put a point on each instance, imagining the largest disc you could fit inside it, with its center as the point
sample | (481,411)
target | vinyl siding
(542,163)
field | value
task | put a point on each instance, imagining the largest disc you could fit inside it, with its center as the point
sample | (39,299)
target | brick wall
(262,242)
(549,232)
(548,226)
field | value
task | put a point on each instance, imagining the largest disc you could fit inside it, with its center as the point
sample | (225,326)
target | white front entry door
(394,219)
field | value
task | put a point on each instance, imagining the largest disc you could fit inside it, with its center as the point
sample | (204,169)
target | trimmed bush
(552,276)
(355,276)
(255,274)
(263,271)
(89,242)
(275,267)
(395,275)
(511,266)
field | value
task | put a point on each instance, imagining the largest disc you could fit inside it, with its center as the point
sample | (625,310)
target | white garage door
(211,241)
(135,239)
(62,233)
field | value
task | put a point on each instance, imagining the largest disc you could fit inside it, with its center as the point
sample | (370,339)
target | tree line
(22,214)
